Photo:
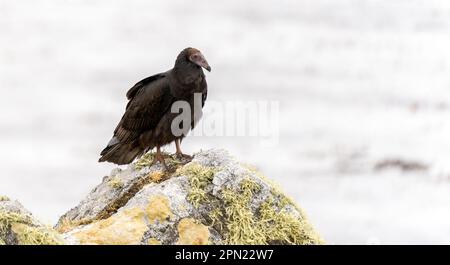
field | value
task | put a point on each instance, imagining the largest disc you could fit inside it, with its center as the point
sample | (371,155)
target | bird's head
(194,56)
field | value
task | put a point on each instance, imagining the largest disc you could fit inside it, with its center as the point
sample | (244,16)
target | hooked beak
(201,61)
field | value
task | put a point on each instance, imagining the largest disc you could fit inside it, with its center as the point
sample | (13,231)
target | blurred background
(363,88)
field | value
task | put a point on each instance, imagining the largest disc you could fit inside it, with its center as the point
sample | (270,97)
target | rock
(212,199)
(19,227)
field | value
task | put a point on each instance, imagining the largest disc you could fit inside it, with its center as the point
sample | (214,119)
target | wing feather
(149,99)
(132,91)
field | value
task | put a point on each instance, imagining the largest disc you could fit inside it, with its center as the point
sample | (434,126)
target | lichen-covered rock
(113,193)
(19,227)
(212,199)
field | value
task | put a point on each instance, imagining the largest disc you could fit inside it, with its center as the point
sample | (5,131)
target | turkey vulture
(147,121)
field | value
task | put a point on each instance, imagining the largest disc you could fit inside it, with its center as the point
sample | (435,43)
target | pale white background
(358,82)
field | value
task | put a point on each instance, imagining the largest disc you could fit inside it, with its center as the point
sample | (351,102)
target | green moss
(25,231)
(271,223)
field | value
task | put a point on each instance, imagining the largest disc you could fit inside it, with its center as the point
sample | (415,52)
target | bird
(147,121)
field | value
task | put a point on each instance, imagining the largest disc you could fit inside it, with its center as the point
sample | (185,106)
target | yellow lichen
(156,176)
(124,228)
(145,160)
(252,170)
(8,218)
(29,235)
(272,223)
(192,232)
(153,241)
(216,217)
(115,182)
(172,161)
(158,208)
(281,227)
(199,178)
(240,222)
(65,225)
(26,232)
(3,198)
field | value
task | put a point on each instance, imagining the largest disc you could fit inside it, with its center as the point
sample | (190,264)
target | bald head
(194,56)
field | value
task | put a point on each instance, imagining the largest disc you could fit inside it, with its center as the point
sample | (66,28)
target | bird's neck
(184,80)
(187,73)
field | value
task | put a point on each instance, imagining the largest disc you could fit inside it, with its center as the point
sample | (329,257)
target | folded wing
(149,100)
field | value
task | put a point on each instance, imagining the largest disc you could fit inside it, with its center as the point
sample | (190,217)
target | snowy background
(363,86)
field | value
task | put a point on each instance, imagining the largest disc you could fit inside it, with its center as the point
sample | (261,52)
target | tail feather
(120,153)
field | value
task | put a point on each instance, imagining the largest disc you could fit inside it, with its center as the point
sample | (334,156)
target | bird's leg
(159,158)
(178,153)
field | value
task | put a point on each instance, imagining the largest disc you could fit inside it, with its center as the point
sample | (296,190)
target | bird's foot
(180,155)
(160,158)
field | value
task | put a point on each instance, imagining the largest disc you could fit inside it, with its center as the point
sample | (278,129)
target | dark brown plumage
(147,120)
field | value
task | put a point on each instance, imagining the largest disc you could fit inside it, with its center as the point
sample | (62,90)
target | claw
(159,157)
(178,153)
